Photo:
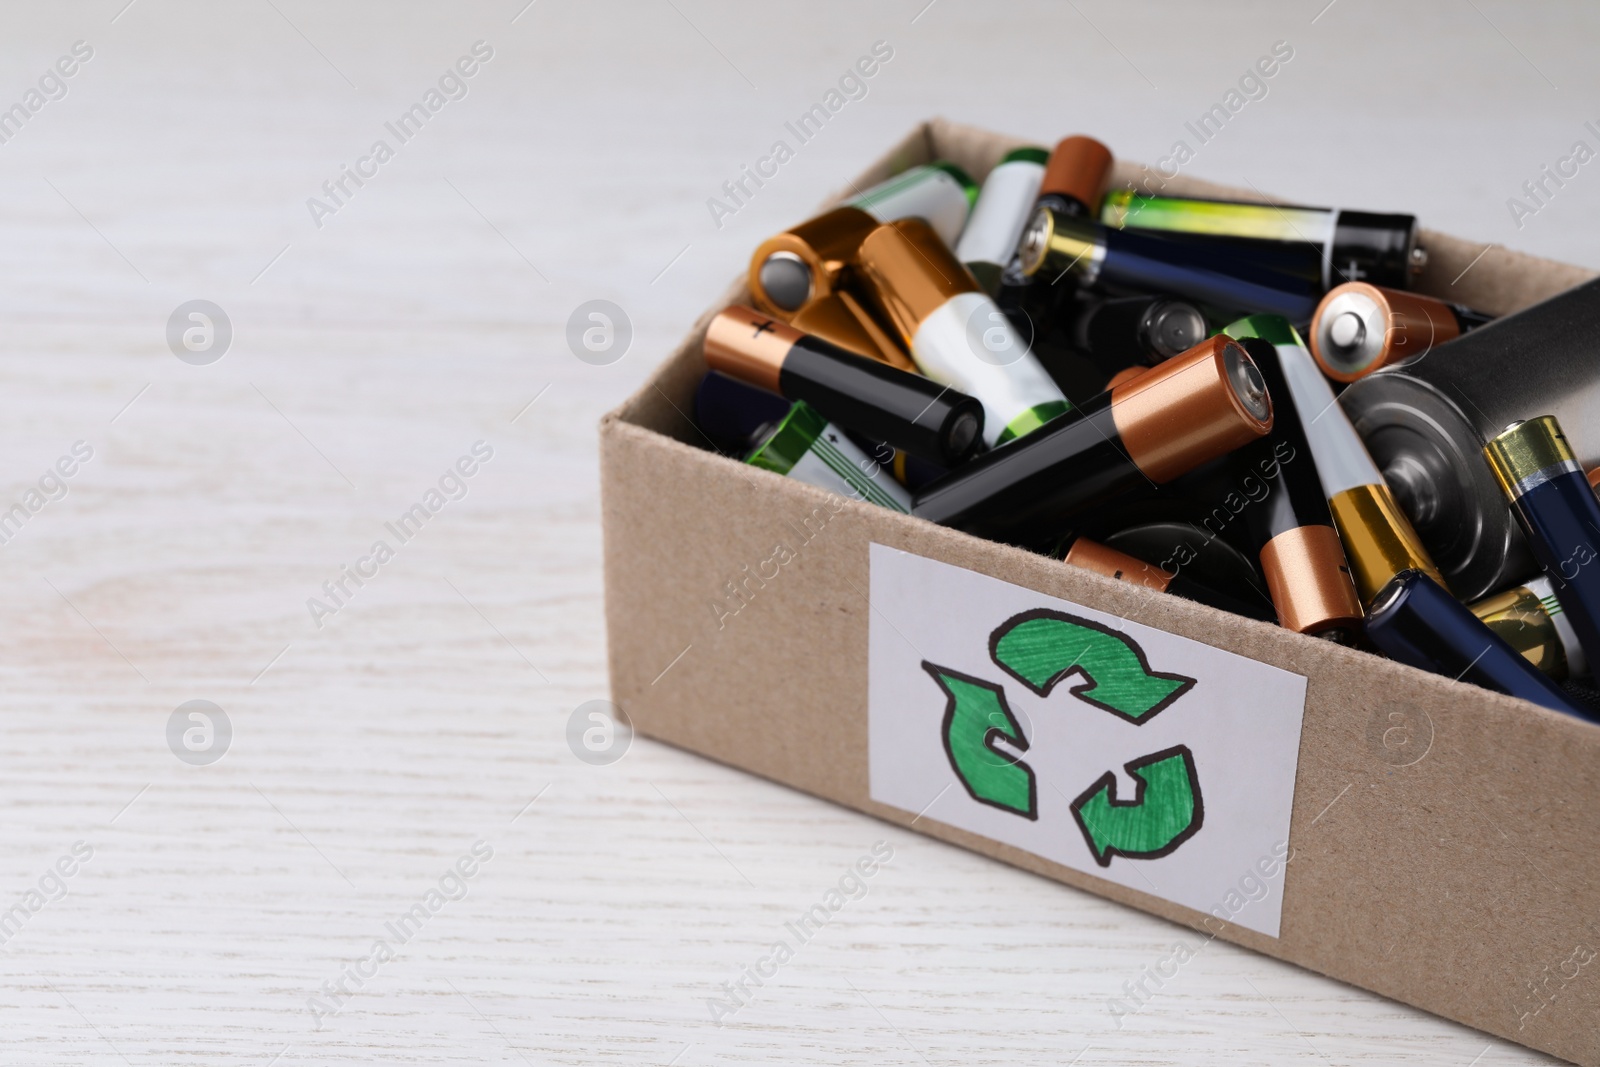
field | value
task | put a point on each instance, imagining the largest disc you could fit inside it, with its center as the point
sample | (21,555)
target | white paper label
(1138,756)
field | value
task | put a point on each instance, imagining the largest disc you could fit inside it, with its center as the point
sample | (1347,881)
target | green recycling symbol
(1040,649)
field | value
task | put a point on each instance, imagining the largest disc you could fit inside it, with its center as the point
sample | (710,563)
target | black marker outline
(1108,782)
(1080,691)
(1020,742)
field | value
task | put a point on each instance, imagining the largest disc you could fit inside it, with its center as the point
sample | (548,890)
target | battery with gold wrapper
(1530,619)
(1378,539)
(954,331)
(1539,474)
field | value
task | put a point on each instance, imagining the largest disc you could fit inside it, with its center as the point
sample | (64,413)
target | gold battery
(1523,620)
(1379,540)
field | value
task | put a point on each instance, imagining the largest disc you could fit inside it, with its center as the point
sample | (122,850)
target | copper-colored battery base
(1191,405)
(1093,556)
(1079,169)
(1309,581)
(1377,327)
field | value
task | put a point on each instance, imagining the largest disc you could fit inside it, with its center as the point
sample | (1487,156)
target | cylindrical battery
(1054,244)
(1559,513)
(1424,424)
(1378,540)
(989,240)
(955,333)
(904,410)
(1102,559)
(1413,620)
(1075,179)
(1530,619)
(939,193)
(1120,332)
(1169,420)
(1288,519)
(1360,328)
(1324,245)
(1076,176)
(806,447)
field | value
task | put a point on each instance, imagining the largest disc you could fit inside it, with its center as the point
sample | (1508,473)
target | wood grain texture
(428,714)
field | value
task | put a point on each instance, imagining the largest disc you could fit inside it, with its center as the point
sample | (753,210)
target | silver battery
(1425,424)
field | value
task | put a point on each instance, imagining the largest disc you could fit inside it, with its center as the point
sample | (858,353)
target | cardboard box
(1465,881)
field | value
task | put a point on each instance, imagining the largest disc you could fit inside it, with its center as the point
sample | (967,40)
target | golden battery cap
(1192,408)
(1527,454)
(1053,242)
(1102,559)
(749,345)
(1079,169)
(806,262)
(839,319)
(1359,328)
(1523,620)
(908,271)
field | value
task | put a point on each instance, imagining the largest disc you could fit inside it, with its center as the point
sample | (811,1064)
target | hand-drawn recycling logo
(1039,649)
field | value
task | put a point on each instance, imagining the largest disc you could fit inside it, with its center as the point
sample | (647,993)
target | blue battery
(1557,509)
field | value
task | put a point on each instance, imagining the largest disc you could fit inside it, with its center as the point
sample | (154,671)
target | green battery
(1326,245)
(807,447)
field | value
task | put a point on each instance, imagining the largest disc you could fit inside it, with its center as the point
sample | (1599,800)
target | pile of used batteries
(1119,380)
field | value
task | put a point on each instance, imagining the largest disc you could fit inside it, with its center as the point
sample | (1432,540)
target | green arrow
(975,717)
(1165,812)
(1040,648)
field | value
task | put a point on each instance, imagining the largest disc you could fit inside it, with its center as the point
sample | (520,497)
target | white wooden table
(430,711)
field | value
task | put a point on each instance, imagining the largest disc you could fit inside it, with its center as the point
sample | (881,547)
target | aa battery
(1288,518)
(939,193)
(1167,421)
(1360,328)
(1413,620)
(989,240)
(904,410)
(1075,176)
(954,331)
(1559,513)
(1107,561)
(1425,423)
(1379,541)
(806,447)
(1530,619)
(1054,244)
(1324,245)
(1119,332)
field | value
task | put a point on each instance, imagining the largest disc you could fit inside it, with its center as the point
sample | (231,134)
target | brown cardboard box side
(1458,884)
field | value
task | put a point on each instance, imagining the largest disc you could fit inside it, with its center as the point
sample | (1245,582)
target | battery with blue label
(1323,245)
(1413,620)
(1559,513)
(1056,246)
(806,447)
